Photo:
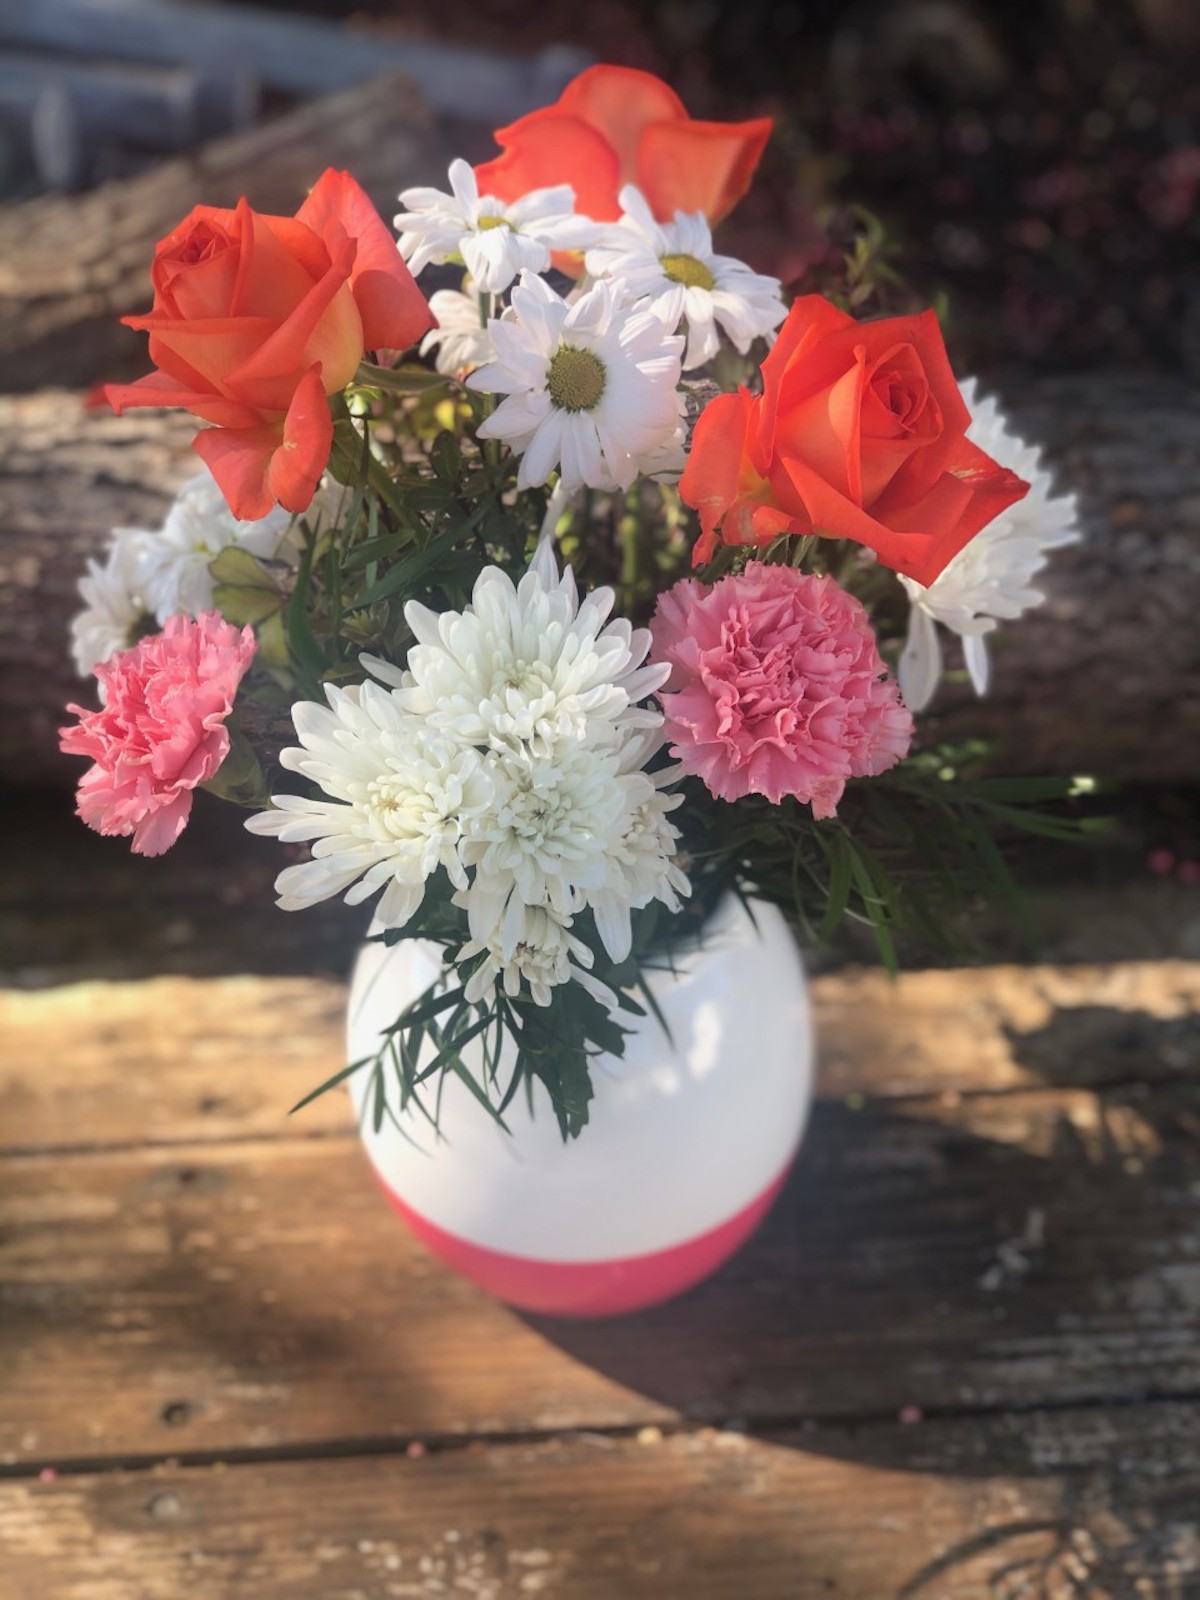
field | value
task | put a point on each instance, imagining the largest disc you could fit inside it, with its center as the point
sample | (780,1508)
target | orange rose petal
(159,389)
(620,103)
(711,475)
(324,328)
(239,459)
(547,148)
(296,467)
(699,166)
(968,496)
(835,517)
(302,242)
(823,430)
(394,312)
(211,346)
(272,280)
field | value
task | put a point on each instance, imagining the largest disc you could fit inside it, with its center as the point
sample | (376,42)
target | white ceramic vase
(689,1138)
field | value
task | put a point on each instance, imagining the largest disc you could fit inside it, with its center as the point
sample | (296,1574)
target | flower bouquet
(574,620)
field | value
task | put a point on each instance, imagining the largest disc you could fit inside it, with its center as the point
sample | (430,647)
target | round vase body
(689,1138)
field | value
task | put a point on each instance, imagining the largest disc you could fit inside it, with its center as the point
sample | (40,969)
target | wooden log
(70,268)
(1104,678)
(1046,1505)
(1004,1234)
(297,55)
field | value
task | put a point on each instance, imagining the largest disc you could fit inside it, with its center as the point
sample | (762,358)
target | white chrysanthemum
(673,265)
(512,752)
(589,388)
(545,955)
(460,338)
(174,574)
(114,605)
(526,667)
(494,240)
(989,580)
(548,835)
(642,863)
(401,800)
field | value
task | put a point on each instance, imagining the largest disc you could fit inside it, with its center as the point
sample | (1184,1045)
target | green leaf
(332,1083)
(408,379)
(445,456)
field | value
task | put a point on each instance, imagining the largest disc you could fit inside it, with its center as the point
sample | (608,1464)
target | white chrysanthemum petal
(113,603)
(460,338)
(401,797)
(990,579)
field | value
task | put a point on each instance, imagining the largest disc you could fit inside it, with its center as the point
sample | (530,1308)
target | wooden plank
(978,1252)
(1045,1507)
(168,1060)
(178,1059)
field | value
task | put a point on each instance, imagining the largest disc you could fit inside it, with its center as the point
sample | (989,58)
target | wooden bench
(963,1347)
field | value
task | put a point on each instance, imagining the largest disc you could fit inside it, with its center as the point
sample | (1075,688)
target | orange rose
(257,319)
(859,433)
(612,126)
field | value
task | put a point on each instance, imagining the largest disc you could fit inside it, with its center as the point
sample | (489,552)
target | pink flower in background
(161,730)
(776,687)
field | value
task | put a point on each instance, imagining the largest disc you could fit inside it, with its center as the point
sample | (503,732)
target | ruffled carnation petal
(161,730)
(776,687)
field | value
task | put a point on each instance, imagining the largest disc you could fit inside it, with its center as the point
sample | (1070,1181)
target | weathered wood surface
(1104,678)
(1045,1507)
(187,1049)
(960,1363)
(218,1279)
(69,268)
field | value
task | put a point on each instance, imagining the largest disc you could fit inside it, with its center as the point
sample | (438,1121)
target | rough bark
(1104,678)
(69,268)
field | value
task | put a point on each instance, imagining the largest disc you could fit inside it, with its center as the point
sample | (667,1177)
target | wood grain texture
(189,1059)
(973,1252)
(1046,1507)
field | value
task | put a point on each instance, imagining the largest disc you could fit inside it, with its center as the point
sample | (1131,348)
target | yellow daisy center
(486,224)
(576,379)
(687,270)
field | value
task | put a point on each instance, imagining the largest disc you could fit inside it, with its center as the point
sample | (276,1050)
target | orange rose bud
(614,125)
(859,433)
(257,319)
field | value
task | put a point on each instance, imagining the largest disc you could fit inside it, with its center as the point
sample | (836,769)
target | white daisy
(673,265)
(545,955)
(589,388)
(115,607)
(494,240)
(175,576)
(460,338)
(990,578)
(401,799)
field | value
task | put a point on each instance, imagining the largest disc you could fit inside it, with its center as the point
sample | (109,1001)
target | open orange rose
(258,319)
(614,125)
(859,433)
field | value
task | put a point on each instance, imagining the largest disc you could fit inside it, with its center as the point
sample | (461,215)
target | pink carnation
(776,687)
(161,730)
